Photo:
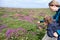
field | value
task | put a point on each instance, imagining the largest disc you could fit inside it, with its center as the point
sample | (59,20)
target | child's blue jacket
(52,27)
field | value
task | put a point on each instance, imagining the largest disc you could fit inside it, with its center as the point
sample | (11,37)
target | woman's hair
(54,3)
(48,19)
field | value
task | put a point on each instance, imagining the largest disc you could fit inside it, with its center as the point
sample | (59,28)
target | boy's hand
(38,22)
(55,34)
(45,23)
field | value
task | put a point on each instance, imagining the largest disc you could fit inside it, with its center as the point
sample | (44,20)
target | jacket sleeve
(41,21)
(50,32)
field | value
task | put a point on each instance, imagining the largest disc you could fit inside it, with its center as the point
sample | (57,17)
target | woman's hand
(55,34)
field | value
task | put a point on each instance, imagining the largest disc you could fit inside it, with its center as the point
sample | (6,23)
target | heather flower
(21,29)
(2,27)
(4,16)
(28,18)
(15,32)
(9,32)
(17,15)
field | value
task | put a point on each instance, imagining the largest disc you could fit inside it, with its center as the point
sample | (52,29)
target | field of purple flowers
(21,24)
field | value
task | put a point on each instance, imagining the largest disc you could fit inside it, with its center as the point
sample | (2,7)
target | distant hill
(27,11)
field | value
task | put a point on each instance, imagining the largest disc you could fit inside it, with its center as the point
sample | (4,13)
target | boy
(53,28)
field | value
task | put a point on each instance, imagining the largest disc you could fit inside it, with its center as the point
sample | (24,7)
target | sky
(25,3)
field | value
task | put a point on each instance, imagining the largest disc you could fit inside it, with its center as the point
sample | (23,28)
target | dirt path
(48,38)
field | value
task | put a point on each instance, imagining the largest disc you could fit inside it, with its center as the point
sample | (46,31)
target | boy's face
(53,8)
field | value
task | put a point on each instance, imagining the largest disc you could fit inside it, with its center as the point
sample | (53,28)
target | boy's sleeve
(50,32)
(41,21)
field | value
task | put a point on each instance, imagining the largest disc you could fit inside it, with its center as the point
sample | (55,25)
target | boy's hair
(54,3)
(48,19)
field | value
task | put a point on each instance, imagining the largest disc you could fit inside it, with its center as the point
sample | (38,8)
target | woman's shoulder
(58,10)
